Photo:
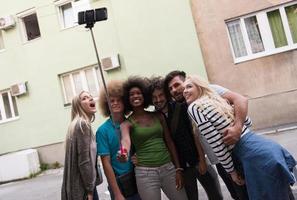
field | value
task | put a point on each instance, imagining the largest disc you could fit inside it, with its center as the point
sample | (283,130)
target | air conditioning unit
(10,165)
(18,89)
(111,62)
(7,22)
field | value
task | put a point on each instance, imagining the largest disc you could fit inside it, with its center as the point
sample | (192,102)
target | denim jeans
(150,181)
(209,182)
(267,167)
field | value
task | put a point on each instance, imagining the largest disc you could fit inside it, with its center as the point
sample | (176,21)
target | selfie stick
(105,88)
(83,19)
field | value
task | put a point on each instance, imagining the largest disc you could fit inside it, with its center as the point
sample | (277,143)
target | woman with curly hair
(267,166)
(154,148)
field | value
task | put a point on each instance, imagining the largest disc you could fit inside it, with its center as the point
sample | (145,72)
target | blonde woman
(267,166)
(80,174)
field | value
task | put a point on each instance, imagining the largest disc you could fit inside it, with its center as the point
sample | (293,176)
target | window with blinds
(80,80)
(263,33)
(8,106)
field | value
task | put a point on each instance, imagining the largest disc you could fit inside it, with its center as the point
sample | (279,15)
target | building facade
(46,58)
(251,48)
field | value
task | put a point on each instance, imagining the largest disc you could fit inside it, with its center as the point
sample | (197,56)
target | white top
(218,89)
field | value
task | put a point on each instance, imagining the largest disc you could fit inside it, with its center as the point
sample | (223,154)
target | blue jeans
(267,167)
(150,181)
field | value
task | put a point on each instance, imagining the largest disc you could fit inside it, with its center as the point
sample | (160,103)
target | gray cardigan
(80,172)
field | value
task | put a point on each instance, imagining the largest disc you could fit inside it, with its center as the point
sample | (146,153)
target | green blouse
(149,144)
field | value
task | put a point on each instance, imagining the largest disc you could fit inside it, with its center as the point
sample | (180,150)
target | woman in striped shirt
(267,166)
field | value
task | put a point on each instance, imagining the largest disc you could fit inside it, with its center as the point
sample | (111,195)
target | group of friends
(164,133)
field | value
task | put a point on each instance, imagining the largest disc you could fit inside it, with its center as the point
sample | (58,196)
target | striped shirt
(212,125)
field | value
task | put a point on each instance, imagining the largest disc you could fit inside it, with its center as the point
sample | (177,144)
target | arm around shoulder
(240,104)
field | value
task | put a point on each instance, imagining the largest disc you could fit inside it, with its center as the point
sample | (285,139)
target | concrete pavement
(47,186)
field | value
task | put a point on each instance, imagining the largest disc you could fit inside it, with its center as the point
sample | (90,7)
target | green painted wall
(151,37)
(157,36)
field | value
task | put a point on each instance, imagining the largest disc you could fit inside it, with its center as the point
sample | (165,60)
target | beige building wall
(269,82)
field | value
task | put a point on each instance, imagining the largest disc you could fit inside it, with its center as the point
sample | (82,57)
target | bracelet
(179,169)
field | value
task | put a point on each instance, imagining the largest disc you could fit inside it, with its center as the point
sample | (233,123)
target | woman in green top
(149,135)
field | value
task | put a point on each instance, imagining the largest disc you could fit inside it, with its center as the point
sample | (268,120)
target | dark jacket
(182,135)
(80,171)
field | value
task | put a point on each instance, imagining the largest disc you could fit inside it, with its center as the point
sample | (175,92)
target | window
(8,106)
(263,33)
(277,29)
(291,12)
(1,41)
(237,38)
(67,15)
(85,79)
(29,25)
(68,9)
(254,34)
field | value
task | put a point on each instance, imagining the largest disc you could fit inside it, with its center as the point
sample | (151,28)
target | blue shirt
(108,144)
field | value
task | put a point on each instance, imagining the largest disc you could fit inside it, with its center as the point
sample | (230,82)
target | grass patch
(44,166)
(56,165)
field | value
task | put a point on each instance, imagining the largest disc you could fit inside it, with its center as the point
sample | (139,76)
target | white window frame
(2,108)
(77,6)
(20,17)
(2,40)
(266,35)
(84,82)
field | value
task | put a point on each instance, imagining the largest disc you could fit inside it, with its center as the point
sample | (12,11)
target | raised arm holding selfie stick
(90,17)
(117,166)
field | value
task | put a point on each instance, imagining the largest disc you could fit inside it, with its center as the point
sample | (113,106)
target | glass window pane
(68,89)
(67,14)
(0,114)
(277,29)
(78,85)
(32,27)
(16,112)
(91,82)
(236,39)
(1,41)
(6,105)
(292,19)
(254,35)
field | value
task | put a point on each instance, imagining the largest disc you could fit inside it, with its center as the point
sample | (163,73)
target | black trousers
(95,195)
(209,182)
(237,192)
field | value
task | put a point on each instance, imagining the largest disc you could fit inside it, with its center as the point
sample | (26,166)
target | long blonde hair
(78,115)
(209,96)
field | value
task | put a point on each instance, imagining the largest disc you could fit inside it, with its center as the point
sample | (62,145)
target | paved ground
(47,185)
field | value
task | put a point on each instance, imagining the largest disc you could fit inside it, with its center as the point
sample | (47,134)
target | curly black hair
(142,84)
(169,77)
(156,83)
